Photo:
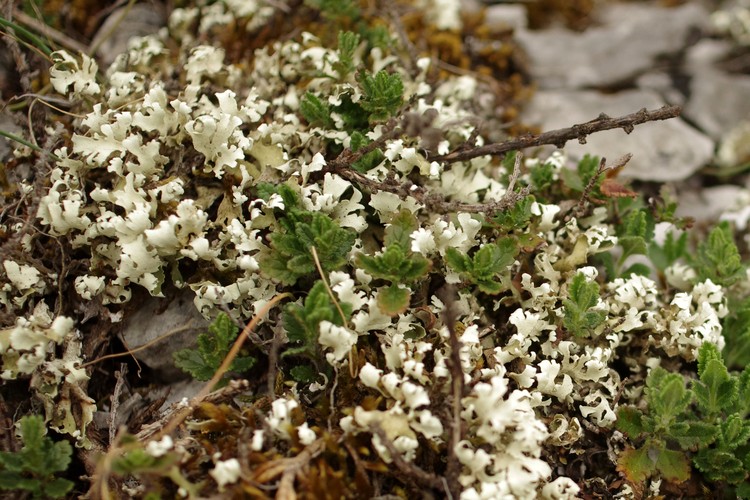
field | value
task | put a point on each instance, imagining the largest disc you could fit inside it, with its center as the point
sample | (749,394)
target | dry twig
(559,137)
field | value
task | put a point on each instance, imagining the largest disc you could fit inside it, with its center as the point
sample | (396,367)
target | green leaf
(382,94)
(395,264)
(667,396)
(348,43)
(716,391)
(486,264)
(636,464)
(670,252)
(630,421)
(542,176)
(457,260)
(583,294)
(517,217)
(693,434)
(316,112)
(718,258)
(291,258)
(302,322)
(736,332)
(734,432)
(720,465)
(33,468)
(673,465)
(393,300)
(212,348)
(399,231)
(305,374)
(369,160)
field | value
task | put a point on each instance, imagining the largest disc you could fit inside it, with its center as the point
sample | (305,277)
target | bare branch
(560,136)
(409,469)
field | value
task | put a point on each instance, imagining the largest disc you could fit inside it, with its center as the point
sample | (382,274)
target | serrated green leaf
(734,432)
(636,464)
(58,488)
(673,465)
(489,287)
(302,322)
(719,465)
(666,395)
(707,352)
(399,231)
(517,217)
(693,434)
(630,421)
(583,294)
(743,391)
(587,168)
(382,94)
(315,111)
(304,373)
(457,260)
(290,256)
(716,391)
(393,300)
(33,468)
(639,269)
(718,258)
(213,347)
(347,45)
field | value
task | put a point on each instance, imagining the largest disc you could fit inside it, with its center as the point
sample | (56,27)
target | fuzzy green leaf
(718,258)
(33,468)
(517,217)
(369,160)
(382,94)
(636,464)
(630,421)
(302,322)
(486,264)
(315,111)
(395,264)
(583,295)
(734,432)
(457,260)
(720,465)
(291,255)
(693,434)
(666,395)
(213,347)
(348,43)
(673,465)
(399,231)
(393,300)
(304,373)
(716,391)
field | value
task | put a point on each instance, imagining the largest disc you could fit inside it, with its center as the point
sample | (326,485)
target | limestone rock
(626,45)
(157,318)
(662,151)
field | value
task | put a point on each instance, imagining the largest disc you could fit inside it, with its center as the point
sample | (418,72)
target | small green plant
(706,424)
(382,94)
(397,264)
(672,250)
(483,268)
(348,43)
(302,325)
(718,258)
(33,469)
(580,319)
(291,256)
(213,347)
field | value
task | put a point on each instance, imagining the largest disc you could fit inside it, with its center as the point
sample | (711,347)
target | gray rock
(506,16)
(624,46)
(708,204)
(718,101)
(123,24)
(156,318)
(662,151)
